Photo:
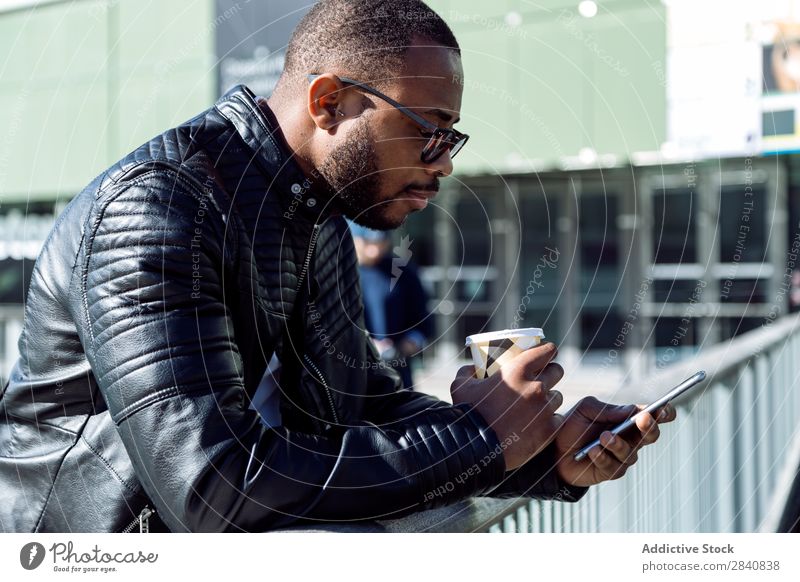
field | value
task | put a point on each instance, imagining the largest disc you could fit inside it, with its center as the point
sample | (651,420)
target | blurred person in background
(395,302)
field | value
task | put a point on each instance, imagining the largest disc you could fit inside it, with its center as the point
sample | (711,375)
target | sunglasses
(440,139)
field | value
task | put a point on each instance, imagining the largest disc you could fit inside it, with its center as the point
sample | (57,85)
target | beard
(354,181)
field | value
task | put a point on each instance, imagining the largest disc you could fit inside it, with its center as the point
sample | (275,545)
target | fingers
(607,467)
(618,454)
(558,422)
(602,412)
(541,386)
(463,376)
(465,373)
(613,459)
(648,429)
(555,399)
(550,376)
(529,363)
(666,413)
(619,448)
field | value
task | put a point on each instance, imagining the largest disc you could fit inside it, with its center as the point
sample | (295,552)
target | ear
(324,99)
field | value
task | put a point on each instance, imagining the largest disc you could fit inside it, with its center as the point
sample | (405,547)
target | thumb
(465,373)
(463,376)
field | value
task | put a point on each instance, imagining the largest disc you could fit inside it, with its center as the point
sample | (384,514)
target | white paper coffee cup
(493,349)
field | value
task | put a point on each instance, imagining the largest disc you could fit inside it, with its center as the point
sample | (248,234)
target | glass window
(420,227)
(676,339)
(24,226)
(674,236)
(778,122)
(678,290)
(15,275)
(599,248)
(599,276)
(473,229)
(598,231)
(599,329)
(742,224)
(474,290)
(743,290)
(468,325)
(732,326)
(541,259)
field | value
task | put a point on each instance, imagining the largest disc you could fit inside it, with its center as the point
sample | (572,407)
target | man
(219,248)
(395,303)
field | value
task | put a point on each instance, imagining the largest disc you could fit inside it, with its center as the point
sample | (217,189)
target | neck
(290,121)
(290,118)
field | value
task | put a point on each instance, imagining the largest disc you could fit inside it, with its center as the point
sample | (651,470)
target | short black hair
(367,38)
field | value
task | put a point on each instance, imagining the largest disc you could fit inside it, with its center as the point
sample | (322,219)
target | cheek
(398,165)
(391,171)
(398,148)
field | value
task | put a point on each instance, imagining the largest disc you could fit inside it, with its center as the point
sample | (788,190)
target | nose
(441,166)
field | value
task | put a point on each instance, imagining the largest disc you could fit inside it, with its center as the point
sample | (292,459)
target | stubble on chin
(354,181)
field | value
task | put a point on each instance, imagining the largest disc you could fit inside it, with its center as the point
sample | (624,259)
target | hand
(590,418)
(408,347)
(385,347)
(517,402)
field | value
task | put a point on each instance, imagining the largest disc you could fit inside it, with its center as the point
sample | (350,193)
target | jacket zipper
(142,520)
(307,263)
(325,384)
(303,273)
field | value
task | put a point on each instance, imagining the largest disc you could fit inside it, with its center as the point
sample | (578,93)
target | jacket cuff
(538,479)
(462,457)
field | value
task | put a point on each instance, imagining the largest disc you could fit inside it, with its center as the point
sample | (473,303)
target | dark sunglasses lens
(457,147)
(435,146)
(439,144)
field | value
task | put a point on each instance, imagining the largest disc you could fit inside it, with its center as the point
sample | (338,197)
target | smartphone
(679,389)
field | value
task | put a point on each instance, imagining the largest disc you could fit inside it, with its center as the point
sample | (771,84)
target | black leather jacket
(154,307)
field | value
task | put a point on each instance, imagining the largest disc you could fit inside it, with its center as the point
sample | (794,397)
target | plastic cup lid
(479,338)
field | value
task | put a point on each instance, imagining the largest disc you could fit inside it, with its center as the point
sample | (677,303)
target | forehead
(431,79)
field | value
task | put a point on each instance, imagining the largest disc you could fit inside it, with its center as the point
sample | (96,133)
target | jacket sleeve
(161,341)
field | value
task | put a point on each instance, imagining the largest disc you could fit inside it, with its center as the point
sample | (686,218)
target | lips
(419,198)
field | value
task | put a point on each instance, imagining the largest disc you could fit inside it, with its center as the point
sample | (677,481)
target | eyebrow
(443,115)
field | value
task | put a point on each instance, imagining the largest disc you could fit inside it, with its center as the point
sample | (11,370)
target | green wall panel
(558,82)
(552,77)
(68,143)
(148,105)
(627,97)
(84,82)
(154,35)
(491,128)
(51,44)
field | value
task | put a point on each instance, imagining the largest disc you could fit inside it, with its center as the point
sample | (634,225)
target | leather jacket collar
(256,124)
